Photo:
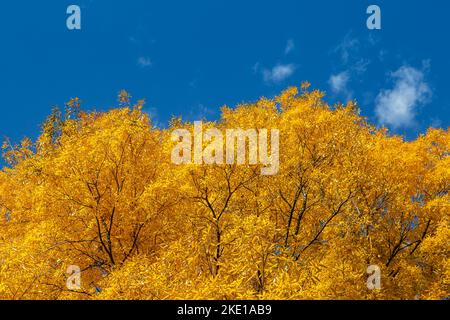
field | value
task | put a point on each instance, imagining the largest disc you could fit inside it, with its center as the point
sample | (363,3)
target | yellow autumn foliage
(99,191)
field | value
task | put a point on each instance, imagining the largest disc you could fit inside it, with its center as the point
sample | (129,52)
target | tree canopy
(99,190)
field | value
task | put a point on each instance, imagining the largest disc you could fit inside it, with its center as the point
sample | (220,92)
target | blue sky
(191,57)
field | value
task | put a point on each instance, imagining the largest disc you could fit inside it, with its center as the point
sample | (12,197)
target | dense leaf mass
(99,191)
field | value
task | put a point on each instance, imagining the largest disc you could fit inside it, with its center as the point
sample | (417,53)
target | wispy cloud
(290,46)
(351,50)
(278,73)
(351,62)
(360,66)
(255,67)
(397,107)
(339,84)
(436,122)
(193,83)
(348,47)
(134,40)
(144,62)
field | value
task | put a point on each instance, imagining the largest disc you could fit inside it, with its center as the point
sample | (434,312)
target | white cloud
(290,46)
(144,62)
(278,73)
(397,107)
(339,84)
